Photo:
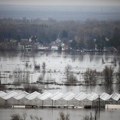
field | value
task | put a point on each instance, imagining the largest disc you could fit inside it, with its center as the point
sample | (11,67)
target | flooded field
(20,67)
(52,67)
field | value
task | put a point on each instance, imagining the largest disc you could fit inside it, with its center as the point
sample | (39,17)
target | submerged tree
(90,77)
(89,117)
(118,75)
(64,117)
(118,79)
(44,68)
(24,117)
(108,75)
(67,70)
(108,79)
(32,88)
(16,117)
(71,78)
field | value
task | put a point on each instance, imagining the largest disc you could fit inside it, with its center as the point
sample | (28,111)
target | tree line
(77,34)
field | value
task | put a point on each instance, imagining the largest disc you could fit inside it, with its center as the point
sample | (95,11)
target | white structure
(2,101)
(16,98)
(92,96)
(105,96)
(68,97)
(112,107)
(54,47)
(81,99)
(31,99)
(115,96)
(45,99)
(56,99)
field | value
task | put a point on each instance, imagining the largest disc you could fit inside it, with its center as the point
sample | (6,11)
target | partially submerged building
(58,99)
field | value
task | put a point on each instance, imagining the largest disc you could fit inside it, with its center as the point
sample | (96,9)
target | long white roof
(2,93)
(20,95)
(9,95)
(115,96)
(81,96)
(105,96)
(58,95)
(68,96)
(32,95)
(45,96)
(92,96)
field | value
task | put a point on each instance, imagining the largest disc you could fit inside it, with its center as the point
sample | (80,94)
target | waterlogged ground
(53,114)
(55,64)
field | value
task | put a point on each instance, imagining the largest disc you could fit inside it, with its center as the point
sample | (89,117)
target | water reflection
(53,114)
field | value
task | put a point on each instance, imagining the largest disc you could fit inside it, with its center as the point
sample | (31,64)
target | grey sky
(63,2)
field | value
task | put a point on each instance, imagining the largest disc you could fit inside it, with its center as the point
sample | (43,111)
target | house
(54,47)
(42,48)
(110,49)
(27,45)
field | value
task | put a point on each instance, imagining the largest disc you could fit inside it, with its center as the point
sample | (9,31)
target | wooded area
(79,35)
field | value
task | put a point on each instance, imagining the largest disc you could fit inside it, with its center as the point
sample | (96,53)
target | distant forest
(83,35)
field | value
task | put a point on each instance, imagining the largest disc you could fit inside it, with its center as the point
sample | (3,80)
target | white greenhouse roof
(81,96)
(57,96)
(9,95)
(92,96)
(32,95)
(105,96)
(115,96)
(38,97)
(68,96)
(45,96)
(2,93)
(20,95)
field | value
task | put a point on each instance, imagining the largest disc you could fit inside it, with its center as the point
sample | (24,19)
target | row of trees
(91,77)
(85,34)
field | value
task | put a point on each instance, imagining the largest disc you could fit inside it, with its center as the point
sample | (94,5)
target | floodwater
(55,64)
(53,114)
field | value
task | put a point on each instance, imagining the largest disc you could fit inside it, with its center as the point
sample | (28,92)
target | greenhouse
(57,99)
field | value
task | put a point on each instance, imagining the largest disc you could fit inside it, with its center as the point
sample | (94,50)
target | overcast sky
(63,2)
